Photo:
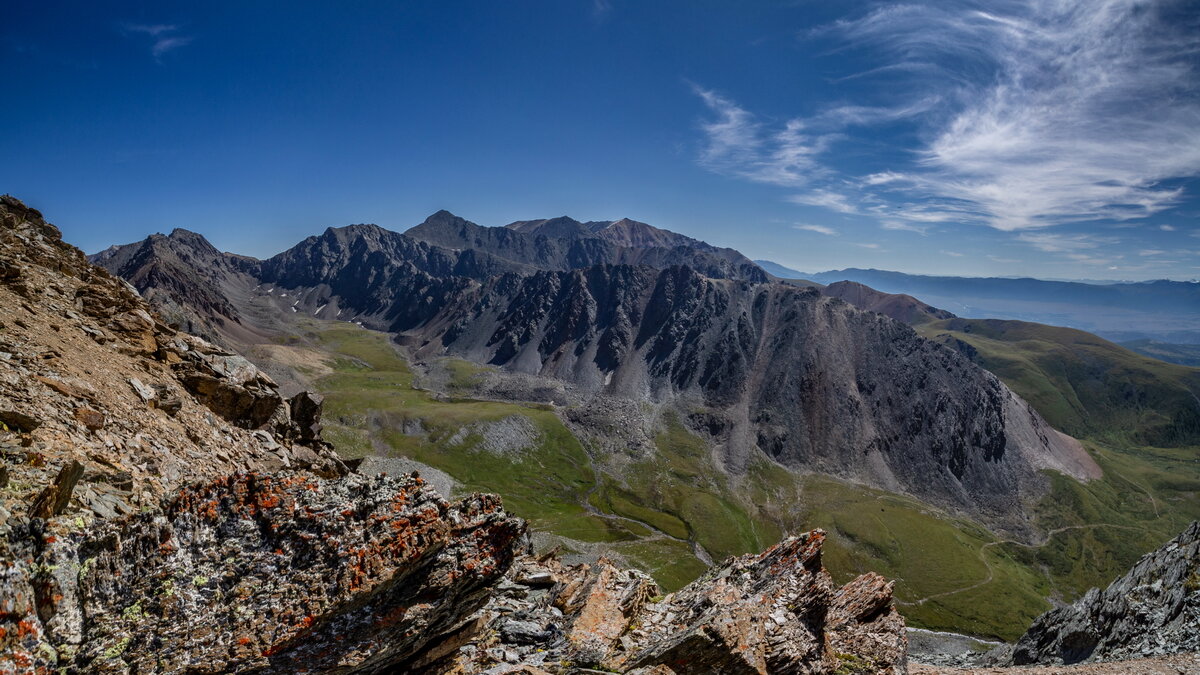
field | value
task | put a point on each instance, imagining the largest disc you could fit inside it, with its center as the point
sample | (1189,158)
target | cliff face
(1153,609)
(811,381)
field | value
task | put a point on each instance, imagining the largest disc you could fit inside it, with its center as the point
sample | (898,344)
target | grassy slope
(1082,384)
(940,562)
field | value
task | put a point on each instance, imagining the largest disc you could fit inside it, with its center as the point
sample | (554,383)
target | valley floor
(1173,664)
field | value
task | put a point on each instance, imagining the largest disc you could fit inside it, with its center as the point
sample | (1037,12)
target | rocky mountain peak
(636,234)
(900,307)
(562,227)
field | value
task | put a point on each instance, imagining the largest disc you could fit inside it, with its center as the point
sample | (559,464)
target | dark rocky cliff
(811,381)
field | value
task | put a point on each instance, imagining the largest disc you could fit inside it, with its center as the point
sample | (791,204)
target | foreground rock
(776,612)
(252,572)
(1154,609)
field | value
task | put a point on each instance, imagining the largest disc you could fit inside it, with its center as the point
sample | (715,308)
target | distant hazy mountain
(1184,355)
(780,271)
(1167,311)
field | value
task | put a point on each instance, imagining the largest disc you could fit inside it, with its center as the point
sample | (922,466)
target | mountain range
(1164,311)
(625,310)
(671,402)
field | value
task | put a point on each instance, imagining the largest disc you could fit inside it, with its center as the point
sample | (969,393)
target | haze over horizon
(998,139)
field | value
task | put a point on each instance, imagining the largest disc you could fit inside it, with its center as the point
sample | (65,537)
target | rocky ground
(1173,664)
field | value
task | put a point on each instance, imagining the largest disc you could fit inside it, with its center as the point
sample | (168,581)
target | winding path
(992,573)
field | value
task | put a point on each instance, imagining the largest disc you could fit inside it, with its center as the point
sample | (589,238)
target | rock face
(565,244)
(387,280)
(278,574)
(1153,609)
(810,381)
(775,612)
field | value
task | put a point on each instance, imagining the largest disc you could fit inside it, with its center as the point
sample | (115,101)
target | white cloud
(1007,261)
(737,144)
(1092,105)
(819,229)
(1167,228)
(952,253)
(1036,113)
(870,246)
(903,226)
(829,199)
(1064,243)
(165,36)
(1151,251)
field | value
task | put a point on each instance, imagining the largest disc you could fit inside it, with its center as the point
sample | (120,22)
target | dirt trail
(992,573)
(586,503)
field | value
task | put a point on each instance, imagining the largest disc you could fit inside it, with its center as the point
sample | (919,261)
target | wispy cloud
(1167,228)
(819,229)
(165,37)
(738,144)
(953,254)
(903,226)
(1006,261)
(870,246)
(834,201)
(601,9)
(1050,242)
(1035,113)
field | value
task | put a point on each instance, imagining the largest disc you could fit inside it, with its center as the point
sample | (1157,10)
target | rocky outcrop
(1153,609)
(253,572)
(776,612)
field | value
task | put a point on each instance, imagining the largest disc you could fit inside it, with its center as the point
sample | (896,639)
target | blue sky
(1041,138)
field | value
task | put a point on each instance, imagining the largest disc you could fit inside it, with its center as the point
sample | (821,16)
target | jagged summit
(628,232)
(562,227)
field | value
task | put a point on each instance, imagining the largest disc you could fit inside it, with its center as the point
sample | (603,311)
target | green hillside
(1082,384)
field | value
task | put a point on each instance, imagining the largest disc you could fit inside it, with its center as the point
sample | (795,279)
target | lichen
(134,612)
(118,649)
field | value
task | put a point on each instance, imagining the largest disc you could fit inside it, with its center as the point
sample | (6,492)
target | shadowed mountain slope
(812,382)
